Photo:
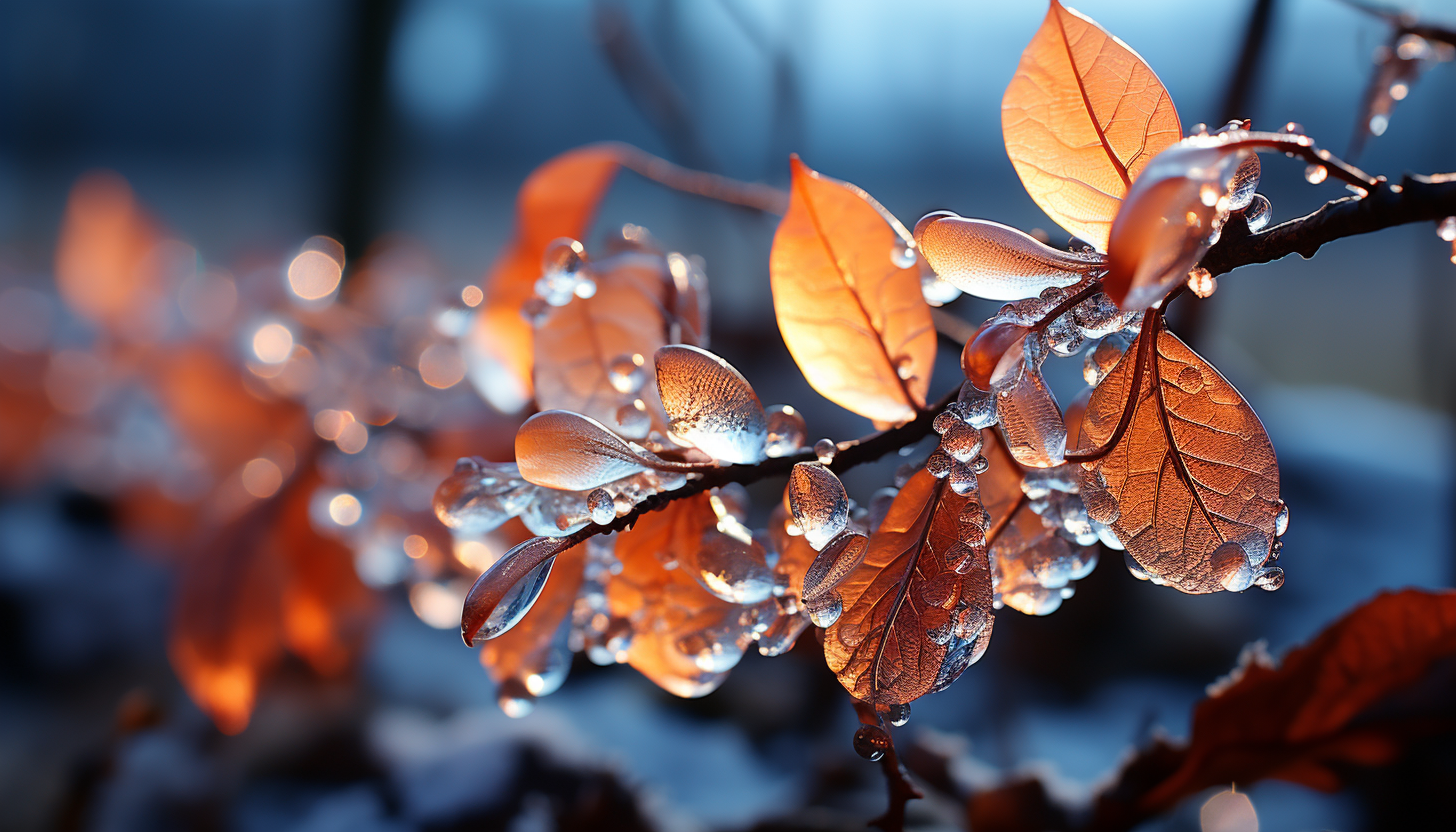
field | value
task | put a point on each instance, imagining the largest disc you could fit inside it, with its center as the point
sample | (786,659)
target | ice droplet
(1102,358)
(871,742)
(710,405)
(786,431)
(732,569)
(779,638)
(903,255)
(825,450)
(1064,337)
(1031,421)
(898,714)
(962,442)
(554,513)
(1270,579)
(1245,181)
(1098,316)
(819,503)
(978,407)
(1446,230)
(1259,212)
(1202,282)
(561,271)
(1281,520)
(602,507)
(625,373)
(839,558)
(1232,568)
(633,420)
(939,464)
(1315,174)
(825,609)
(937,292)
(478,496)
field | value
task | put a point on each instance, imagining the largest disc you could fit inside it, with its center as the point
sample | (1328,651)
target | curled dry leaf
(505,592)
(1081,118)
(847,296)
(911,623)
(591,354)
(1191,484)
(991,260)
(530,659)
(1294,720)
(710,405)
(557,200)
(571,452)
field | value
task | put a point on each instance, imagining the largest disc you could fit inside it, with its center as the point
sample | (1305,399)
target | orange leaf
(851,314)
(911,622)
(102,268)
(1191,485)
(558,199)
(1081,118)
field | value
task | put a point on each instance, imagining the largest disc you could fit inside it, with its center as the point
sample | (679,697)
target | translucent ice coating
(710,405)
(1031,421)
(1172,214)
(478,496)
(786,430)
(733,569)
(838,559)
(568,451)
(506,591)
(819,503)
(991,260)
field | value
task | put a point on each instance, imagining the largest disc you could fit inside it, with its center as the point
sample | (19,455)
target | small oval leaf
(568,451)
(710,405)
(994,261)
(506,591)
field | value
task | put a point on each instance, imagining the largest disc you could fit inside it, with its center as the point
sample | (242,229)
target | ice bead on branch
(991,260)
(710,405)
(1031,421)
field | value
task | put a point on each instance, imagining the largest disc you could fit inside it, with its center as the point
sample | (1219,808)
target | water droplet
(1274,550)
(563,255)
(937,292)
(734,570)
(1270,579)
(818,502)
(903,255)
(786,431)
(1446,230)
(625,373)
(1031,420)
(1294,127)
(479,496)
(514,700)
(1103,358)
(1259,212)
(963,477)
(1231,566)
(602,507)
(905,367)
(939,464)
(1202,282)
(978,407)
(1315,174)
(980,465)
(1241,186)
(871,742)
(825,609)
(898,714)
(825,449)
(962,442)
(633,420)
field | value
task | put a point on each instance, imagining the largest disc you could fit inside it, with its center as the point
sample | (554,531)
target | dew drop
(1259,212)
(1294,127)
(871,742)
(937,292)
(905,367)
(1202,282)
(602,506)
(939,464)
(1270,579)
(514,700)
(978,407)
(1231,566)
(633,420)
(962,442)
(1315,174)
(899,714)
(786,431)
(903,255)
(825,450)
(1281,520)
(625,373)
(1447,229)
(825,609)
(563,255)
(734,570)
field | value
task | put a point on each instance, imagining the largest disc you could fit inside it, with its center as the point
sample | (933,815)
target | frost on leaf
(532,658)
(1319,708)
(710,405)
(557,200)
(819,503)
(567,451)
(991,260)
(1082,117)
(846,292)
(592,353)
(1191,486)
(684,638)
(911,622)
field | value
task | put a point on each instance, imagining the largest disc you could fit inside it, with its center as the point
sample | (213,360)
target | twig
(897,782)
(1246,67)
(765,198)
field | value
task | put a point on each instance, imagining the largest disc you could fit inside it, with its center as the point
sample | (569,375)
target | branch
(1415,199)
(897,781)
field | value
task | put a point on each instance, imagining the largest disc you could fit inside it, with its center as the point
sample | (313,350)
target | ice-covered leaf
(818,502)
(846,292)
(1294,720)
(568,451)
(505,592)
(911,621)
(1191,486)
(710,405)
(557,200)
(1082,117)
(531,659)
(592,353)
(991,260)
(835,562)
(1030,419)
(1170,217)
(479,496)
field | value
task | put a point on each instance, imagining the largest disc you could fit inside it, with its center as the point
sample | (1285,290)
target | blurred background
(184,185)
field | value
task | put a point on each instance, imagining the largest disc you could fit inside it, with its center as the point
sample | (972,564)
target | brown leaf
(593,354)
(1081,118)
(1191,486)
(1290,722)
(851,315)
(520,661)
(911,623)
(558,199)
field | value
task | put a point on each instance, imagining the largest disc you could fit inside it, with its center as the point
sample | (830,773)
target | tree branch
(1415,199)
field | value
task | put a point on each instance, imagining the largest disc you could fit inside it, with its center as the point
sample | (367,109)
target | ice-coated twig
(897,781)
